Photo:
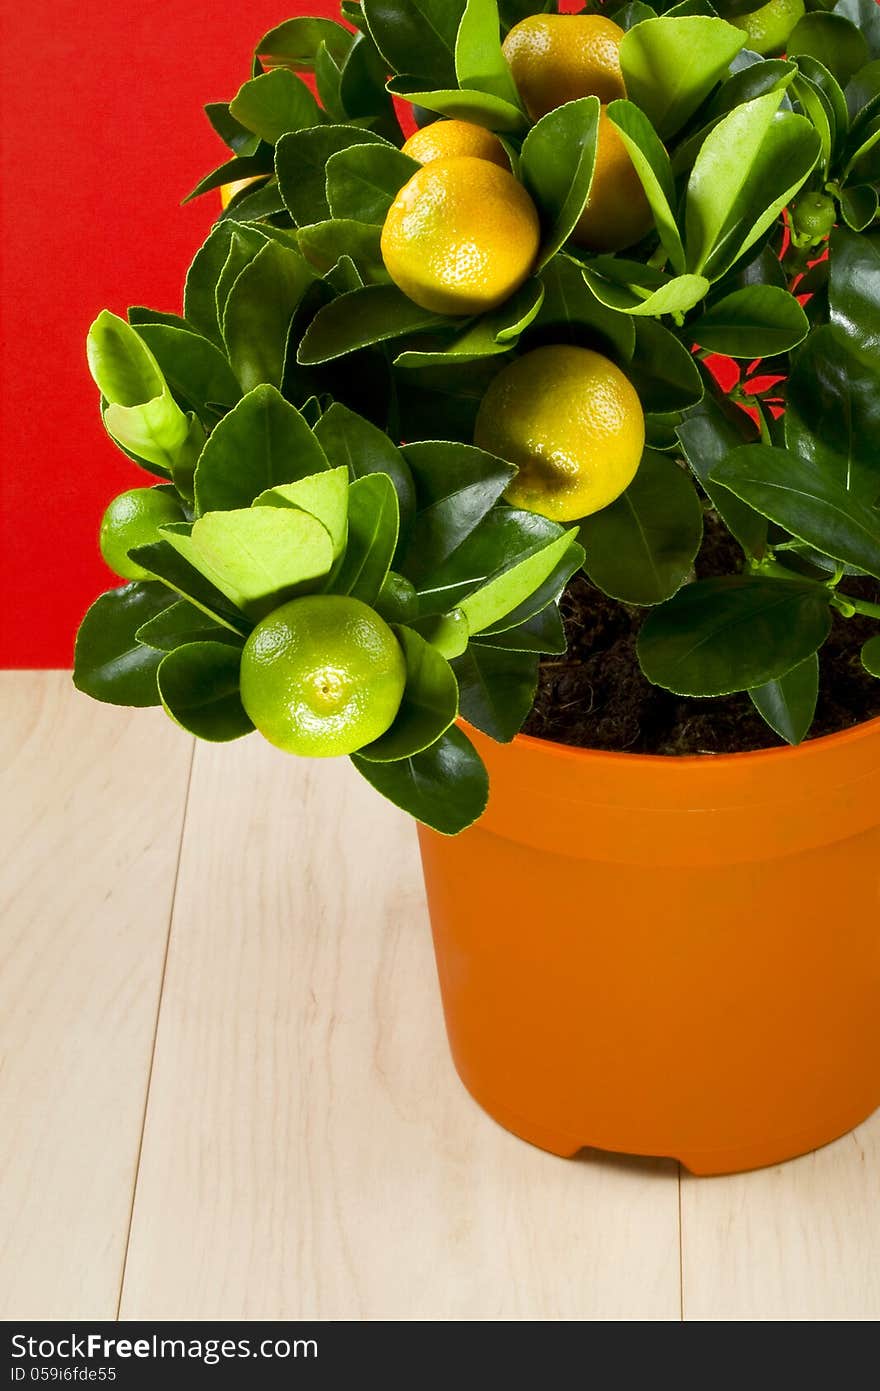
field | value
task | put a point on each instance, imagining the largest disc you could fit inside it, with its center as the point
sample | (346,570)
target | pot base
(700,1163)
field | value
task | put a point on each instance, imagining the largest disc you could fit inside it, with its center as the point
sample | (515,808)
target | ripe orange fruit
(133,519)
(446,139)
(571,422)
(322,675)
(461,236)
(617,212)
(558,58)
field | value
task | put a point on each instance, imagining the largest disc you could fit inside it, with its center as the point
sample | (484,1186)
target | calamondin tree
(420,383)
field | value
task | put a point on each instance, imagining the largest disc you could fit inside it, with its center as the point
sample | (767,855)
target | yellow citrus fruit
(229,191)
(617,212)
(571,422)
(558,58)
(133,519)
(769,27)
(322,676)
(445,139)
(461,236)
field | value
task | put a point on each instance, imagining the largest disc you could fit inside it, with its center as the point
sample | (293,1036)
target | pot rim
(810,748)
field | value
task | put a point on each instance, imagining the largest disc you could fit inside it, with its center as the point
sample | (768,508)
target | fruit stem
(848,606)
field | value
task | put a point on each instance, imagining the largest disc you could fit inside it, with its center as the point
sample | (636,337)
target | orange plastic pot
(666,956)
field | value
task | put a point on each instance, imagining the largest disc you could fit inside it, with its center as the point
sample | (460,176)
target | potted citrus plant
(520,440)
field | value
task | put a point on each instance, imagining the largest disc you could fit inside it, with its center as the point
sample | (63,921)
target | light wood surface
(306,1150)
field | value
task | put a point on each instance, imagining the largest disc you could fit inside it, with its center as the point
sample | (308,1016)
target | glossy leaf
(479,61)
(323,495)
(301,166)
(373,524)
(864,15)
(651,163)
(707,435)
(168,565)
(364,180)
(487,336)
(416,34)
(732,633)
(456,485)
(253,204)
(854,289)
(789,704)
(252,166)
(264,441)
(477,107)
(428,708)
(672,296)
(859,206)
(200,290)
(110,664)
(571,313)
(505,590)
(670,65)
(245,243)
(662,370)
(141,413)
(641,549)
(749,168)
(446,787)
(496,689)
(548,592)
(347,438)
(198,685)
(139,314)
(871,656)
(372,315)
(181,623)
(296,43)
(193,367)
(275,103)
(239,139)
(362,89)
(840,45)
(326,243)
(757,321)
(258,312)
(807,500)
(448,632)
(442,402)
(558,156)
(542,633)
(833,411)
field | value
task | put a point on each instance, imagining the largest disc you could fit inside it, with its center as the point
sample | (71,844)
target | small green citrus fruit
(133,519)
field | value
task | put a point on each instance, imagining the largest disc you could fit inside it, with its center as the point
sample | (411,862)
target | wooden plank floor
(226,1091)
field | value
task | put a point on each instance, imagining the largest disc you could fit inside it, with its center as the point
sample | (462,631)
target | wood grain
(800,1241)
(308,1150)
(91,814)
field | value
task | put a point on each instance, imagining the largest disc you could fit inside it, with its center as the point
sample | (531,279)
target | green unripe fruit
(133,519)
(813,216)
(768,28)
(322,676)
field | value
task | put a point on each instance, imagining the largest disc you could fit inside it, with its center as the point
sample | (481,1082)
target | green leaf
(442,402)
(833,410)
(181,623)
(297,42)
(672,296)
(325,243)
(397,601)
(547,592)
(487,336)
(542,633)
(139,314)
(242,167)
(478,107)
(841,46)
(757,321)
(651,163)
(244,244)
(732,633)
(301,166)
(456,485)
(789,703)
(571,313)
(755,80)
(347,438)
(806,499)
(362,89)
(816,106)
(558,156)
(854,289)
(662,370)
(371,315)
(479,61)
(871,656)
(193,367)
(110,664)
(275,103)
(416,33)
(428,708)
(511,585)
(446,787)
(141,413)
(641,549)
(707,435)
(258,312)
(373,524)
(198,684)
(670,65)
(169,566)
(363,181)
(496,689)
(323,495)
(448,632)
(261,443)
(239,139)
(200,291)
(859,206)
(750,167)
(259,557)
(863,13)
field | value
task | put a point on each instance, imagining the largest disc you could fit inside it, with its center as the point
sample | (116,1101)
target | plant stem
(849,606)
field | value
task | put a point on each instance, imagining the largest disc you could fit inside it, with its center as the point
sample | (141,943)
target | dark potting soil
(596,697)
